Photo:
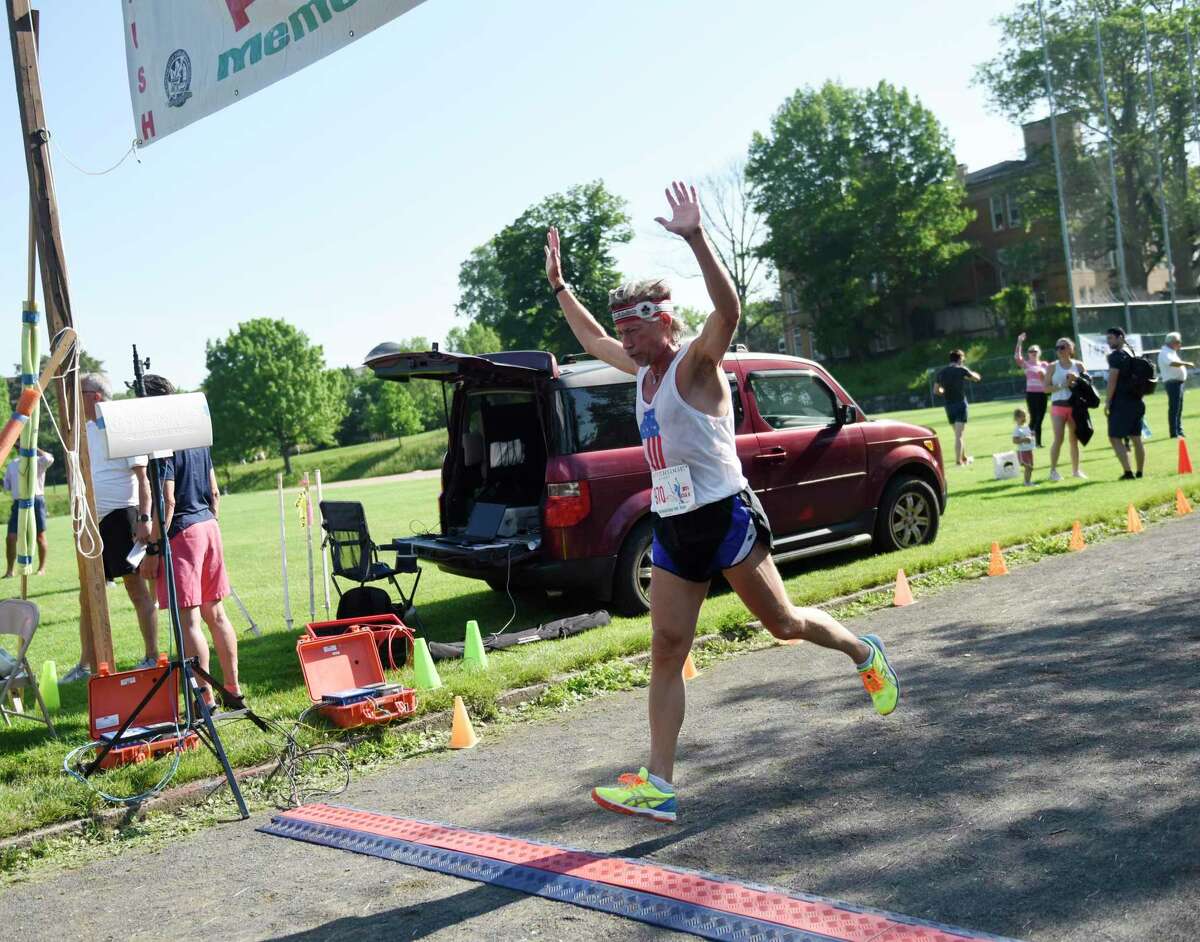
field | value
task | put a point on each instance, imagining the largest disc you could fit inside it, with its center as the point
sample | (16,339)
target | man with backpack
(1129,379)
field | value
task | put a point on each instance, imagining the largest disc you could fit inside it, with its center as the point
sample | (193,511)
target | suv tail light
(567,504)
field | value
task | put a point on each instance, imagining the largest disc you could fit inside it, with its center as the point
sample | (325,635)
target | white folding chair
(20,618)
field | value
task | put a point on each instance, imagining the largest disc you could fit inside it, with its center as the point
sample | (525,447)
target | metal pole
(1058,175)
(324,559)
(307,518)
(287,600)
(1162,187)
(1192,79)
(1122,274)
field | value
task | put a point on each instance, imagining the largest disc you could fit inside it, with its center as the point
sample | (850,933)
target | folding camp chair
(355,555)
(20,618)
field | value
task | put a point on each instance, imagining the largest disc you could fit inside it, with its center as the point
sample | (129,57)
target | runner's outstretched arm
(591,336)
(722,323)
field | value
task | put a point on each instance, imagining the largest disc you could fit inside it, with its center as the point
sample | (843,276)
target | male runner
(707,520)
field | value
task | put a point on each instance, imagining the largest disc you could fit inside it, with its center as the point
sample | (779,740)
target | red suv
(544,483)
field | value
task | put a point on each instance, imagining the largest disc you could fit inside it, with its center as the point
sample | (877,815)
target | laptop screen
(485,521)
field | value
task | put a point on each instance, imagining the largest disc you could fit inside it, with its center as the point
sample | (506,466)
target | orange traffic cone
(689,669)
(1076,542)
(1185,461)
(997,567)
(903,594)
(462,736)
(1133,520)
(1182,504)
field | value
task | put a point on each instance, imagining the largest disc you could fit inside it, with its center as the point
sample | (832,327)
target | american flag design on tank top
(652,443)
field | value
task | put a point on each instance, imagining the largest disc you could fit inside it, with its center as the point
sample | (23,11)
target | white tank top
(675,433)
(1060,379)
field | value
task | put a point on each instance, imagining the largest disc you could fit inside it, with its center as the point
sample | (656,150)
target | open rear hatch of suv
(494,473)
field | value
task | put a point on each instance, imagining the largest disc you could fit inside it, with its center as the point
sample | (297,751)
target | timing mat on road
(684,900)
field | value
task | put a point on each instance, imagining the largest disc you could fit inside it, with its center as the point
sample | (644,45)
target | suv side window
(793,399)
(738,410)
(596,418)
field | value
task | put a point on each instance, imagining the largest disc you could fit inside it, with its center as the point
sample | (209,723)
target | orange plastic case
(344,662)
(113,697)
(386,629)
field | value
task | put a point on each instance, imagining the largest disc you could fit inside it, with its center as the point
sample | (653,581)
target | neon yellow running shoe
(879,678)
(635,795)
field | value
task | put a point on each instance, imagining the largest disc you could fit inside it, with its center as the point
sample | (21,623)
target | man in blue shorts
(951,383)
(707,521)
(12,484)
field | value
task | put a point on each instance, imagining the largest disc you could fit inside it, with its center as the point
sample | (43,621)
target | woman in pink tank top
(1035,387)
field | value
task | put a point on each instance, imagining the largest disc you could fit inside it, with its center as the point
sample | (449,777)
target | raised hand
(1021,337)
(685,210)
(553,258)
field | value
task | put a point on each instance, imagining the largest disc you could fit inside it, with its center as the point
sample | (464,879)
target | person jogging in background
(707,521)
(952,384)
(1036,396)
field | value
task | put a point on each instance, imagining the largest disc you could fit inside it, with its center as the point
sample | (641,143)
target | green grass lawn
(981,510)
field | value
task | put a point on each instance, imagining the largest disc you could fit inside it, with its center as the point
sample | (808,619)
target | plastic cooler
(113,697)
(350,661)
(386,628)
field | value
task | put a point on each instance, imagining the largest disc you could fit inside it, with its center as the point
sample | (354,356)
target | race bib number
(671,490)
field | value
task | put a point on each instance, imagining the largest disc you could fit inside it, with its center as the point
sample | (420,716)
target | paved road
(1041,780)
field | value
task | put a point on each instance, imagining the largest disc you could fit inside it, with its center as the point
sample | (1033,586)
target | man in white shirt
(12,484)
(121,488)
(1173,372)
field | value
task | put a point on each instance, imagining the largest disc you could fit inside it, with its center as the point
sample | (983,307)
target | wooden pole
(56,296)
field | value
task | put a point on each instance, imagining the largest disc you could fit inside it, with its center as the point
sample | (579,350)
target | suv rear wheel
(908,515)
(631,581)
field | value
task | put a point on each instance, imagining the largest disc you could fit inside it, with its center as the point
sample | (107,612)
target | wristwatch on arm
(565,286)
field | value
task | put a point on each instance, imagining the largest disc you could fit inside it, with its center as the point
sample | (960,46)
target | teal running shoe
(879,678)
(635,795)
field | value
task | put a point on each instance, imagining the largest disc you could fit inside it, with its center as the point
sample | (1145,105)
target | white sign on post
(1094,350)
(189,58)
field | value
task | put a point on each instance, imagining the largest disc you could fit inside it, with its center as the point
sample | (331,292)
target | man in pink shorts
(192,498)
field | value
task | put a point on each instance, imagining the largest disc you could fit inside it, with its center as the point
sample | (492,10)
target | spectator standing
(1035,384)
(192,500)
(12,484)
(122,492)
(1023,438)
(951,383)
(1058,379)
(1173,373)
(1124,407)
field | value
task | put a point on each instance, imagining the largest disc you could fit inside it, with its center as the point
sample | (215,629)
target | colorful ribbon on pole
(28,467)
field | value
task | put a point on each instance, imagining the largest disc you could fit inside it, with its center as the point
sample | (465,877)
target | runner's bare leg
(674,607)
(758,584)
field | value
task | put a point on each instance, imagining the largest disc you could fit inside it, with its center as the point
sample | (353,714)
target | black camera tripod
(197,713)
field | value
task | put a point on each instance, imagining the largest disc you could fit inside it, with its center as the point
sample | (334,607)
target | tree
(475,338)
(736,230)
(394,413)
(502,284)
(1015,80)
(268,389)
(862,203)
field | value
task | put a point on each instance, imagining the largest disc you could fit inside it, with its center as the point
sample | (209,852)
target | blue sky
(344,198)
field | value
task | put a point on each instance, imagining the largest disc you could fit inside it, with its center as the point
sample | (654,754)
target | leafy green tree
(862,203)
(268,389)
(502,284)
(1015,80)
(394,413)
(475,338)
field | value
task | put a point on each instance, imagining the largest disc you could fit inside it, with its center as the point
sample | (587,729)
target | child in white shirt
(1024,440)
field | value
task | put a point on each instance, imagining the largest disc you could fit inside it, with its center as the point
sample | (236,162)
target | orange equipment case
(112,697)
(385,628)
(345,662)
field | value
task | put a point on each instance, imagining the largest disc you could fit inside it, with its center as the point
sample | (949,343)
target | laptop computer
(357,694)
(484,522)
